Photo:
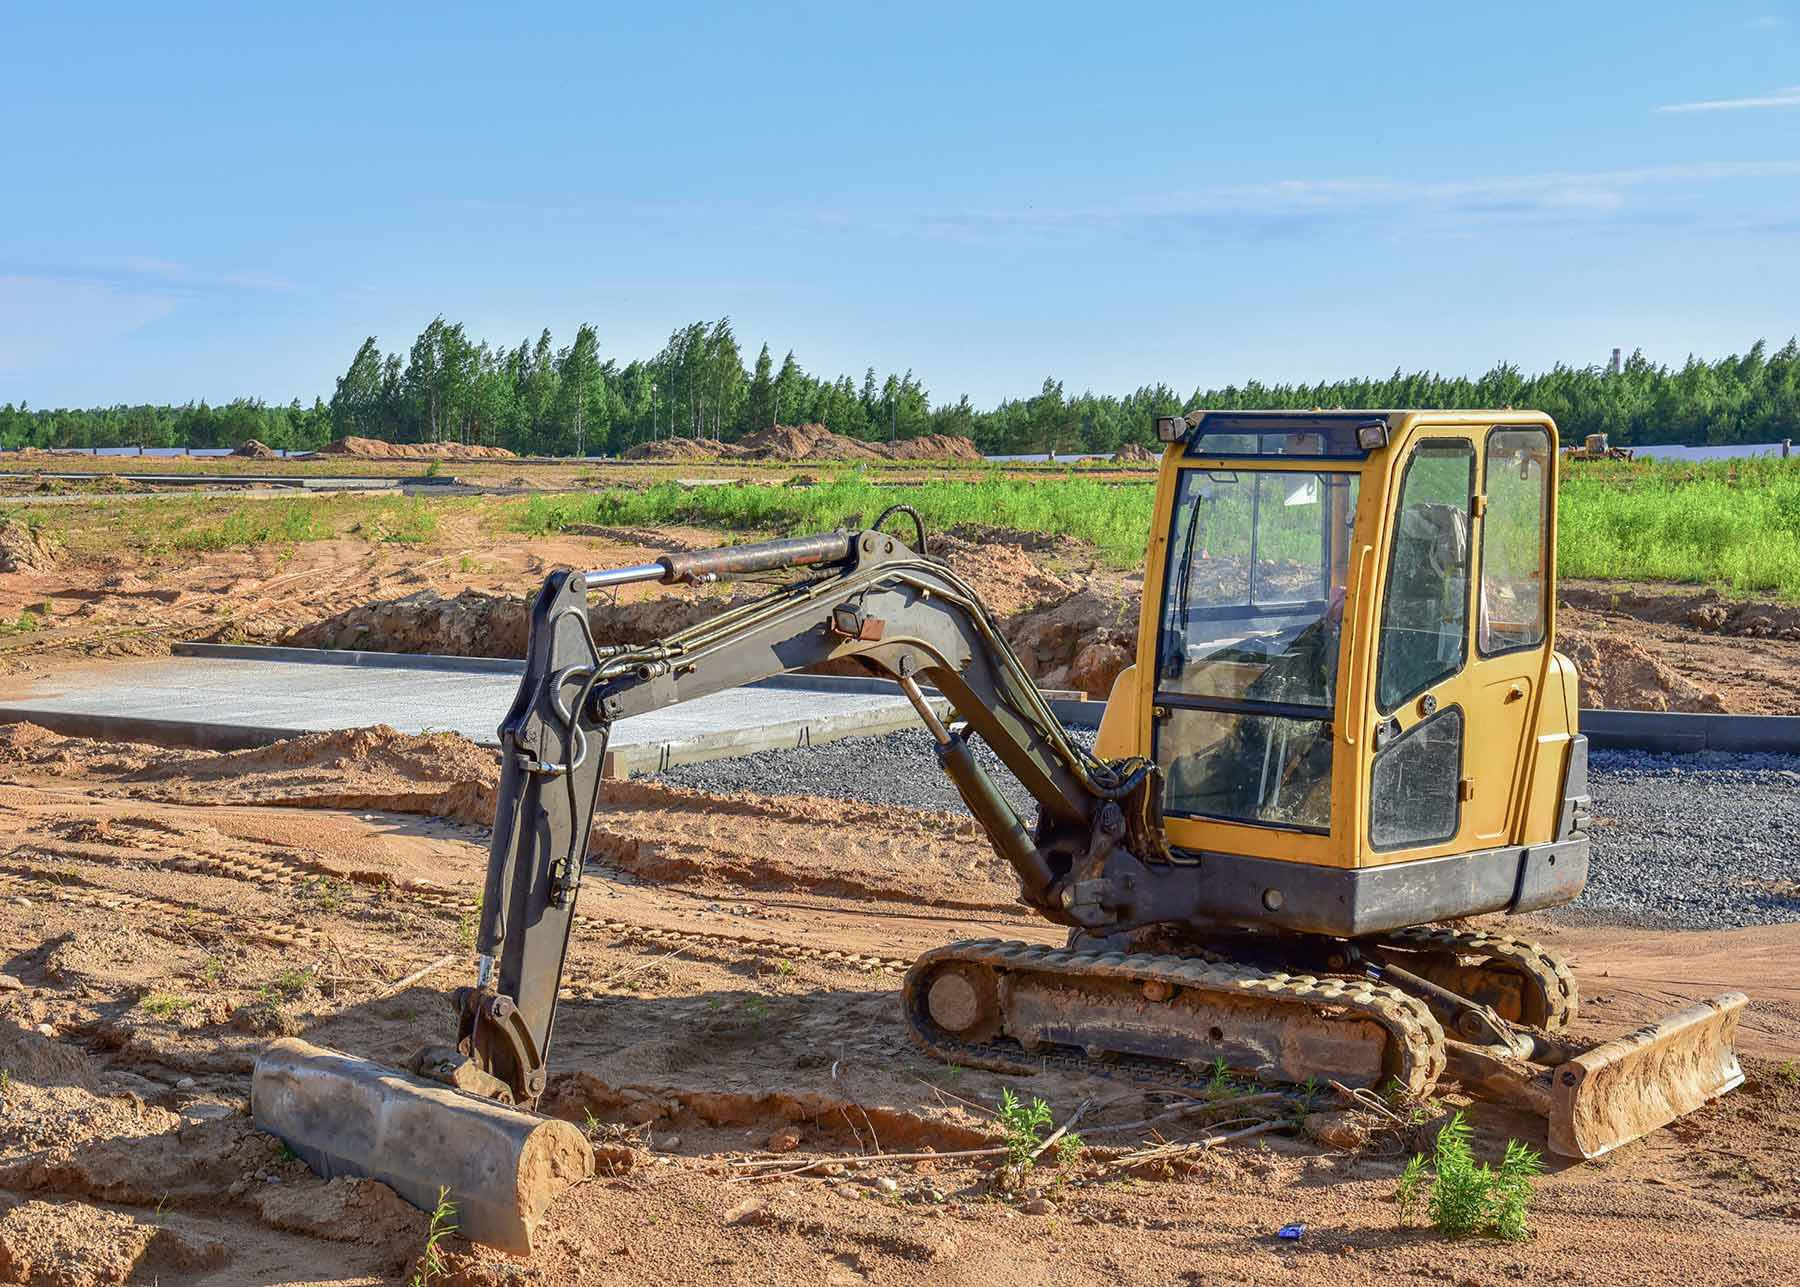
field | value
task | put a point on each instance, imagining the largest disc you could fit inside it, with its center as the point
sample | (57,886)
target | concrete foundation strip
(1655,731)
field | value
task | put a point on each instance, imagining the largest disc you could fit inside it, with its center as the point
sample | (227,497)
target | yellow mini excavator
(1346,730)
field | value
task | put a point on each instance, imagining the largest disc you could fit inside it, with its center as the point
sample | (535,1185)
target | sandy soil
(732,988)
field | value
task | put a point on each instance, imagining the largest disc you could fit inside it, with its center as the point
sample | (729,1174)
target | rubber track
(1546,968)
(1418,1042)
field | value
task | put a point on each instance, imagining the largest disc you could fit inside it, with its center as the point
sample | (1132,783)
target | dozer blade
(347,1116)
(1624,1089)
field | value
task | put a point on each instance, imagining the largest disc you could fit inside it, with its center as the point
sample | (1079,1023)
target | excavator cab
(1345,674)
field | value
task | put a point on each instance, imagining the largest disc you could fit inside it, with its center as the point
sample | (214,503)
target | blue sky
(207,201)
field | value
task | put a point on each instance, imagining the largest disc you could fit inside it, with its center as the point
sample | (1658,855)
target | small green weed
(1069,1149)
(164,1005)
(325,894)
(431,1261)
(1789,1072)
(5,1081)
(289,984)
(1464,1196)
(1023,1126)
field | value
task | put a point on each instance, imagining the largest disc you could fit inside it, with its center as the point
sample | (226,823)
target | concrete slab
(231,702)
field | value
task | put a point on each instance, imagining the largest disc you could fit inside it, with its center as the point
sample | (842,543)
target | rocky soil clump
(25,549)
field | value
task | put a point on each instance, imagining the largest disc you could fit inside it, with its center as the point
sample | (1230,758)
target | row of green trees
(195,424)
(539,399)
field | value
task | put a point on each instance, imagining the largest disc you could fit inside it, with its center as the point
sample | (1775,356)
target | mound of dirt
(807,442)
(1620,674)
(681,449)
(364,768)
(1703,610)
(934,446)
(474,624)
(1006,576)
(24,549)
(441,774)
(70,1244)
(254,449)
(1135,453)
(1082,642)
(376,449)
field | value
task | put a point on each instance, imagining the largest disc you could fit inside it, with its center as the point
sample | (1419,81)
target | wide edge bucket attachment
(1624,1089)
(1595,1099)
(348,1116)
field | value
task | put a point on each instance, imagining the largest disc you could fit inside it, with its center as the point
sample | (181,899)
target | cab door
(1460,644)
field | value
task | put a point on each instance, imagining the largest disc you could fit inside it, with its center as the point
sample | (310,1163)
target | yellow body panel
(1518,707)
(1118,735)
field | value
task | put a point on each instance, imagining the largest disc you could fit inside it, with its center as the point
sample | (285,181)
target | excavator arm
(873,599)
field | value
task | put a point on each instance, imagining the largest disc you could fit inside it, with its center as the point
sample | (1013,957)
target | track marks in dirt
(674,835)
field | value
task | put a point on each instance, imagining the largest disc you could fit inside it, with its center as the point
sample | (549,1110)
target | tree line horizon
(540,400)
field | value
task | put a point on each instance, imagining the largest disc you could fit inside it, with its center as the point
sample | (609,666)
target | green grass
(1730,524)
(258,524)
(1113,517)
(1461,1196)
(199,525)
(400,520)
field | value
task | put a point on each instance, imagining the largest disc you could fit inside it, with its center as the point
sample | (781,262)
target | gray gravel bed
(1708,841)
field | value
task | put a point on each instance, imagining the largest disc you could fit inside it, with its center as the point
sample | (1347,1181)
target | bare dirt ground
(732,989)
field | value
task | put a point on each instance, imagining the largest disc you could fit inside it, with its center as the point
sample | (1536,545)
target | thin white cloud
(1281,207)
(49,320)
(1789,97)
(1768,22)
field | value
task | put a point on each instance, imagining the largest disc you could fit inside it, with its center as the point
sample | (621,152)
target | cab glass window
(1414,785)
(1515,541)
(1255,595)
(1425,616)
(1248,653)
